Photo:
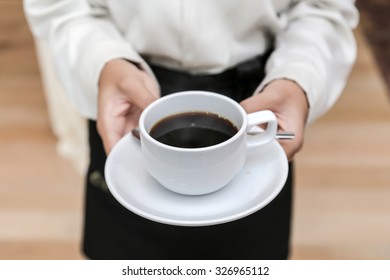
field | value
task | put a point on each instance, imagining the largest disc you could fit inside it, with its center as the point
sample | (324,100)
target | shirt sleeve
(82,40)
(316,49)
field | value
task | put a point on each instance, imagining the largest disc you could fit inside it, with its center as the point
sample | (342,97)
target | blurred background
(342,195)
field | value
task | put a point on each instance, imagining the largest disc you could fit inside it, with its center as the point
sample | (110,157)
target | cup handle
(257,118)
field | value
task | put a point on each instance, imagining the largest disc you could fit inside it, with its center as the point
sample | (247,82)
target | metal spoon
(279,135)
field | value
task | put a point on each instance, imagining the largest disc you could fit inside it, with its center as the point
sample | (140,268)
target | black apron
(113,232)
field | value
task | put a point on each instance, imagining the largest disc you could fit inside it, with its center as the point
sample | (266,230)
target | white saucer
(258,183)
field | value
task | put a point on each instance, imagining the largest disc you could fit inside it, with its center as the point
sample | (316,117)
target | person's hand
(124,91)
(289,103)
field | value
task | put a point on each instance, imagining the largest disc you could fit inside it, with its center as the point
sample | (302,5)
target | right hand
(289,103)
(124,91)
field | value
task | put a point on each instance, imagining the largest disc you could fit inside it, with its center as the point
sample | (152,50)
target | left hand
(289,103)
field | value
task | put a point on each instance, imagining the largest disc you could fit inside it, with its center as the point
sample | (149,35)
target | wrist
(283,89)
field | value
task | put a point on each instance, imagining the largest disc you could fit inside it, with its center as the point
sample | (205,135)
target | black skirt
(113,232)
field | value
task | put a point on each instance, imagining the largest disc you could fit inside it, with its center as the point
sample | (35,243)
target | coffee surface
(193,130)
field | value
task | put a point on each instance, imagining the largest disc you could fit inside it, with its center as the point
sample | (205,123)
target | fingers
(292,147)
(138,87)
(124,91)
(137,93)
(109,139)
(112,129)
(110,123)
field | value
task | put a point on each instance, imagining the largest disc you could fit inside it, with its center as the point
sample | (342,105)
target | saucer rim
(203,221)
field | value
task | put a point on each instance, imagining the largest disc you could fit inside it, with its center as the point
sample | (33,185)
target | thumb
(256,103)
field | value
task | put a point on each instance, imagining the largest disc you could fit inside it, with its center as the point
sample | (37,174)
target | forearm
(316,50)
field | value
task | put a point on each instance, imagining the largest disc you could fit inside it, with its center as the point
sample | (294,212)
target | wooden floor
(342,199)
(342,196)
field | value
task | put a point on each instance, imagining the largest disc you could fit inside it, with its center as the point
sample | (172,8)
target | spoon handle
(285,135)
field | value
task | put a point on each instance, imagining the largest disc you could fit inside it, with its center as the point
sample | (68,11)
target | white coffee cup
(197,171)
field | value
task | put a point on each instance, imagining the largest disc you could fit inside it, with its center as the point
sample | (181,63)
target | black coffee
(193,130)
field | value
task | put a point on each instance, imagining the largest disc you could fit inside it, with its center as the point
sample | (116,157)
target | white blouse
(314,42)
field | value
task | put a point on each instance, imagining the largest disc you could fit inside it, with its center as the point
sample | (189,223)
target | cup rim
(146,134)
